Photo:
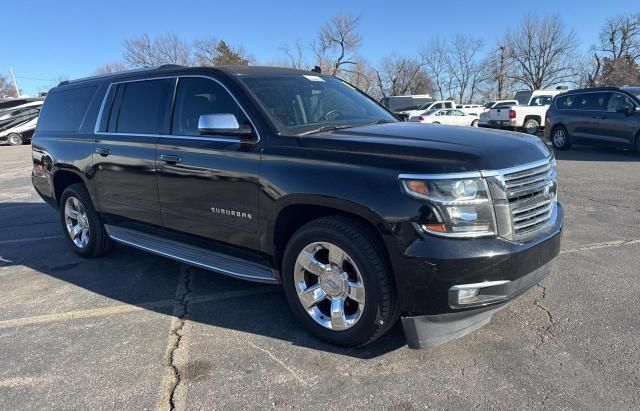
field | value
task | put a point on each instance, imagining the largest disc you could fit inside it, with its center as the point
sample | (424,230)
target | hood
(428,148)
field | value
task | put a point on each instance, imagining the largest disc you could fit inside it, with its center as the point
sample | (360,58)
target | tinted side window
(139,107)
(448,105)
(198,96)
(437,106)
(566,102)
(617,101)
(64,110)
(540,101)
(592,101)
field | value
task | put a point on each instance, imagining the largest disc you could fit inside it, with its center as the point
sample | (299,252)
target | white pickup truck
(484,116)
(528,115)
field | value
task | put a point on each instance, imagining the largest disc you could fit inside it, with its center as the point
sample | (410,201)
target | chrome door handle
(170,158)
(103,151)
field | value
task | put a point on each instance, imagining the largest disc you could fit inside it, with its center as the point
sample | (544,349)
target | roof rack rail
(139,70)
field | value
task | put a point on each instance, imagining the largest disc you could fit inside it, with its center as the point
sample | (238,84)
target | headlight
(462,206)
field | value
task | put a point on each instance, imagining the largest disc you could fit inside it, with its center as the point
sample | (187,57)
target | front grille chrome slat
(532,213)
(530,201)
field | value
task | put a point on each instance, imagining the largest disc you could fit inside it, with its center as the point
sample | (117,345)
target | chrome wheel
(559,137)
(14,139)
(329,286)
(531,127)
(77,222)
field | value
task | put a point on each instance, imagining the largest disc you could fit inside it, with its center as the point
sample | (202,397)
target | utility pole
(15,83)
(501,73)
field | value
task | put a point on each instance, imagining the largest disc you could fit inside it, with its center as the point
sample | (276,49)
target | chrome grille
(531,197)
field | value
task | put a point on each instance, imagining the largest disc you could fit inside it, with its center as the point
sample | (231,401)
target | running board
(199,257)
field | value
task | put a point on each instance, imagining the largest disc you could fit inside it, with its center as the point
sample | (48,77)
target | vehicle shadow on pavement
(591,153)
(133,277)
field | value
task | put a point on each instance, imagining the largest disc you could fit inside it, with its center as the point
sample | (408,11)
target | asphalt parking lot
(134,330)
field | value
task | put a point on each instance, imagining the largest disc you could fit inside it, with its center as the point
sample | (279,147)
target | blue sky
(44,39)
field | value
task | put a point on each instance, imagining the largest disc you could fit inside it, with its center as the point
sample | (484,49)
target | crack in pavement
(181,311)
(598,201)
(546,332)
(605,244)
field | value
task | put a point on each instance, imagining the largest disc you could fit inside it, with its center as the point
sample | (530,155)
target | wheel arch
(63,178)
(296,210)
(536,117)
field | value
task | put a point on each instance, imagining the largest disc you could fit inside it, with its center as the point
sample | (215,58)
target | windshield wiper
(325,128)
(383,121)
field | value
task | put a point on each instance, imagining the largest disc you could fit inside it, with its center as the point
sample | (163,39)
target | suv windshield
(300,104)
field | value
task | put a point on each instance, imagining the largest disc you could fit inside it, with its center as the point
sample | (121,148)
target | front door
(124,158)
(208,184)
(616,127)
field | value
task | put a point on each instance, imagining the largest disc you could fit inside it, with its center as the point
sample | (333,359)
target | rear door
(124,157)
(208,184)
(459,118)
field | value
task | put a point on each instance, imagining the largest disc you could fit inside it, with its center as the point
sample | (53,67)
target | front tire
(560,138)
(474,123)
(337,282)
(82,224)
(531,126)
(14,139)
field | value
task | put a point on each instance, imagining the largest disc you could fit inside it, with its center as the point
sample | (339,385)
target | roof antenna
(317,69)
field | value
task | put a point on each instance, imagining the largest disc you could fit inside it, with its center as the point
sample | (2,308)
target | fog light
(467,295)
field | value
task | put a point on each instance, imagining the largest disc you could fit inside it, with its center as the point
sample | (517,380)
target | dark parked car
(295,178)
(598,116)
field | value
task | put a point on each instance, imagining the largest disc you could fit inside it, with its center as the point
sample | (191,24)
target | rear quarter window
(64,110)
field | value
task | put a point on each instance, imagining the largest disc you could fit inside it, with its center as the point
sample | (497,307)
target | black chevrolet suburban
(296,178)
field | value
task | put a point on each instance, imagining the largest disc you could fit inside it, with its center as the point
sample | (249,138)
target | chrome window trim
(97,132)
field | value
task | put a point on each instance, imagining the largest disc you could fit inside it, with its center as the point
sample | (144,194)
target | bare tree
(143,51)
(618,48)
(620,37)
(113,67)
(294,54)
(337,43)
(7,88)
(361,75)
(436,61)
(397,76)
(590,69)
(465,66)
(214,52)
(541,52)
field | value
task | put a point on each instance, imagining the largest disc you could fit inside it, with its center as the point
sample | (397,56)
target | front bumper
(426,331)
(430,266)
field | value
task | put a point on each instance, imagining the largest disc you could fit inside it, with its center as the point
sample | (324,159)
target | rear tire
(361,272)
(81,223)
(560,138)
(474,123)
(531,126)
(14,139)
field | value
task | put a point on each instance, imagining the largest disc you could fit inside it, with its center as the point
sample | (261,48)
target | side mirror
(626,110)
(223,124)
